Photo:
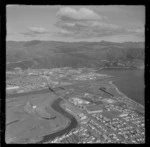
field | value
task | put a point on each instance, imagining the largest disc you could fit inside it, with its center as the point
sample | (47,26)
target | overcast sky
(75,23)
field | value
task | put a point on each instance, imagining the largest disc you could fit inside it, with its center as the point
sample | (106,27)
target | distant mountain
(51,54)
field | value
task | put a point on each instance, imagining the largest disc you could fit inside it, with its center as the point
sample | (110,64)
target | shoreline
(124,96)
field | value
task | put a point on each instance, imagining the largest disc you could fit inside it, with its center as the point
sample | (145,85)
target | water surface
(130,82)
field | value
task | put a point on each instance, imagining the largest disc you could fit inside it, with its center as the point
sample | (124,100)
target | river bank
(73,123)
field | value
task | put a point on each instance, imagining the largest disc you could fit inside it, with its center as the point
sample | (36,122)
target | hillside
(51,54)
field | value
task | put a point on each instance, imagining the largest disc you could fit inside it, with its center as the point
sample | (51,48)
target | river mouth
(73,123)
(37,134)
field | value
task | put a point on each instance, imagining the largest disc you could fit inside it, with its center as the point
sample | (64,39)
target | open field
(25,121)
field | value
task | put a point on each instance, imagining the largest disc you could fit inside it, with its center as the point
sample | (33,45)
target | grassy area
(31,122)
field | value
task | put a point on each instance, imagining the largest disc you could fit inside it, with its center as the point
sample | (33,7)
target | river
(56,106)
(129,82)
(73,124)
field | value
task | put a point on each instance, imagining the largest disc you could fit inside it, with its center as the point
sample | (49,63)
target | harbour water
(129,82)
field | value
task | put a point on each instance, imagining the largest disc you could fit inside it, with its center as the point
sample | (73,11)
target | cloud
(139,31)
(34,31)
(82,13)
(85,23)
(37,30)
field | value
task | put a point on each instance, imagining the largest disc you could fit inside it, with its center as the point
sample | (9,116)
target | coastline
(124,96)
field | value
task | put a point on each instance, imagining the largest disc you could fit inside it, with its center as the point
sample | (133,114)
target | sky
(115,23)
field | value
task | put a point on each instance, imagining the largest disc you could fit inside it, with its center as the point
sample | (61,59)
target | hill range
(54,54)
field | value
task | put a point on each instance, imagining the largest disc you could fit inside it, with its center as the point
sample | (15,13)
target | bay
(129,82)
